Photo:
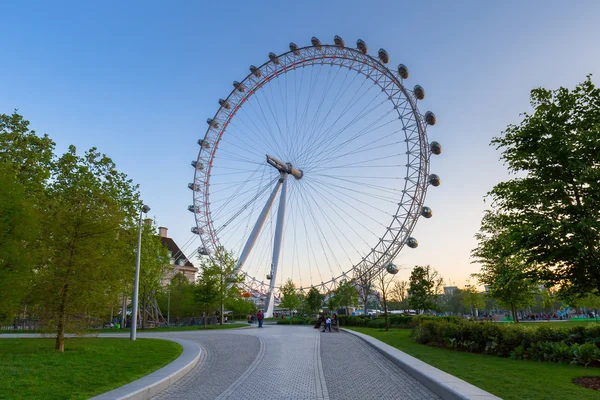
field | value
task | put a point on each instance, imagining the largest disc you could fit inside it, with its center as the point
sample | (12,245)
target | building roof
(176,253)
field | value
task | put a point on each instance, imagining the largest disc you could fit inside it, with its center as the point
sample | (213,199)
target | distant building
(178,262)
(449,290)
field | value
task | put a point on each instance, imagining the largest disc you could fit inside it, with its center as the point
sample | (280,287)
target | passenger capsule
(295,49)
(403,71)
(199,166)
(203,251)
(430,118)
(239,86)
(383,56)
(194,187)
(419,92)
(273,57)
(193,209)
(316,43)
(204,144)
(212,123)
(426,212)
(255,71)
(434,180)
(224,103)
(392,269)
(362,46)
(197,231)
(412,243)
(339,41)
(435,148)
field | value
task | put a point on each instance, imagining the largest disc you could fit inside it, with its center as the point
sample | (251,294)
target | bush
(295,321)
(541,343)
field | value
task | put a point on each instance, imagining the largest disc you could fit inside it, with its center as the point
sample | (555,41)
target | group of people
(327,322)
(260,316)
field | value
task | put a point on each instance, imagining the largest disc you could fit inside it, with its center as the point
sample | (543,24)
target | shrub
(586,354)
(542,343)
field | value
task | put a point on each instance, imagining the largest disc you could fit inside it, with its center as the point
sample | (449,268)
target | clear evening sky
(138,80)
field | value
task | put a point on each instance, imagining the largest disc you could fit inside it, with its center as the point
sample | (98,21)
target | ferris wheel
(316,164)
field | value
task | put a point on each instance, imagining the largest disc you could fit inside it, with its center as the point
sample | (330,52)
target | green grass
(126,330)
(32,369)
(506,378)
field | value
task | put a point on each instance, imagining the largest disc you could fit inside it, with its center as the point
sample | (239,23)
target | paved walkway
(289,362)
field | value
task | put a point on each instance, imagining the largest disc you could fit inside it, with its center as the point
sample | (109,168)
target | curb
(154,383)
(447,386)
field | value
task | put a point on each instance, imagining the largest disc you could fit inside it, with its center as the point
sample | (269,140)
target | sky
(138,80)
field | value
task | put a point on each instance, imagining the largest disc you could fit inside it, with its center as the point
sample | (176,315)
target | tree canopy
(548,214)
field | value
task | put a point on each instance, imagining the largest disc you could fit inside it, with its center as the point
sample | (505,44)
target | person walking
(327,325)
(260,316)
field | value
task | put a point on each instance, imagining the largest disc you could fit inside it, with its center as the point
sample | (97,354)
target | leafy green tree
(154,263)
(19,230)
(240,306)
(222,267)
(86,207)
(550,208)
(332,301)
(290,298)
(181,292)
(421,288)
(346,294)
(206,292)
(26,161)
(503,269)
(314,300)
(472,299)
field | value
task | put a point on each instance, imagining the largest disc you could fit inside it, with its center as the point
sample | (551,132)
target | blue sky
(138,80)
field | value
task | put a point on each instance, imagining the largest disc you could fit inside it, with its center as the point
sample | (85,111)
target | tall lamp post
(136,283)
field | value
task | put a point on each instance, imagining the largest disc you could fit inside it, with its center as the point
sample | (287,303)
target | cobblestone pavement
(284,362)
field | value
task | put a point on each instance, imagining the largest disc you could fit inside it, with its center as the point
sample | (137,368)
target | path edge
(157,381)
(447,386)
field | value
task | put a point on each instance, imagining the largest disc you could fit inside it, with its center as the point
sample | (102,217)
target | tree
(222,267)
(88,203)
(206,292)
(550,208)
(399,295)
(383,279)
(364,275)
(26,161)
(346,294)
(289,298)
(240,306)
(503,269)
(314,300)
(473,300)
(181,293)
(421,288)
(154,261)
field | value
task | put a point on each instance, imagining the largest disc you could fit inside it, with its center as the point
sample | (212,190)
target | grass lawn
(32,369)
(506,378)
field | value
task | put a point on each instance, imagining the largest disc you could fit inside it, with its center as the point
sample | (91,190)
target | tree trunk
(514,312)
(385,310)
(60,337)
(204,314)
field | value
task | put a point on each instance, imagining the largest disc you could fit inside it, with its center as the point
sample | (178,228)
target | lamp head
(145,209)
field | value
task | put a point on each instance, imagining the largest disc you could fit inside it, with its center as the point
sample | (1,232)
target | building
(449,290)
(178,262)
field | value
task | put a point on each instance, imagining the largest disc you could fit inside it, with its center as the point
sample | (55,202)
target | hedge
(577,344)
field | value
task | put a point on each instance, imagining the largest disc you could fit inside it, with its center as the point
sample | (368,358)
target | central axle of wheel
(284,168)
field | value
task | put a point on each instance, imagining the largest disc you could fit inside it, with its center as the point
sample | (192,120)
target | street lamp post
(136,283)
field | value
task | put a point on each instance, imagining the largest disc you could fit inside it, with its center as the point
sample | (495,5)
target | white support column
(257,227)
(276,245)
